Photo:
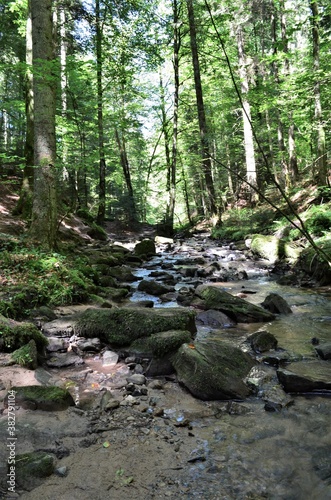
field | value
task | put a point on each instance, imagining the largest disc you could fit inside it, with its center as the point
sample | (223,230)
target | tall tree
(204,137)
(102,158)
(321,146)
(24,204)
(246,113)
(43,227)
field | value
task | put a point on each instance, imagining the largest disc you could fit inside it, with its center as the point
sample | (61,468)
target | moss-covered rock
(241,311)
(262,341)
(115,294)
(26,355)
(120,327)
(31,467)
(314,265)
(268,247)
(97,232)
(276,304)
(161,344)
(14,335)
(122,273)
(213,370)
(145,247)
(38,397)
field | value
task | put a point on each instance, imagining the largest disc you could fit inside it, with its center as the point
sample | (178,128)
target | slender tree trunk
(24,204)
(170,210)
(247,119)
(205,147)
(102,160)
(132,213)
(165,131)
(293,162)
(321,148)
(280,127)
(44,212)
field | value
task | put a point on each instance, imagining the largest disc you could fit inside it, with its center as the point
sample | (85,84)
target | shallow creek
(249,452)
(229,450)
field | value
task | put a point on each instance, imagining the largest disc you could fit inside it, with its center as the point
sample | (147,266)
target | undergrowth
(30,278)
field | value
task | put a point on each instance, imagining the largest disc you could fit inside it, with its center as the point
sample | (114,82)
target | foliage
(318,220)
(239,223)
(35,278)
(17,336)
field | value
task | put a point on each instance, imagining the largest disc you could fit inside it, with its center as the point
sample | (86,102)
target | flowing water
(246,452)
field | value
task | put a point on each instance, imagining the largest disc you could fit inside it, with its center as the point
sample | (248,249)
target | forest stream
(169,444)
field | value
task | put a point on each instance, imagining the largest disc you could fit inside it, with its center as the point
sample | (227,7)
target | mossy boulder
(145,247)
(122,273)
(121,326)
(213,370)
(314,265)
(161,344)
(38,397)
(14,335)
(115,294)
(262,341)
(26,355)
(239,310)
(30,468)
(97,232)
(268,247)
(276,304)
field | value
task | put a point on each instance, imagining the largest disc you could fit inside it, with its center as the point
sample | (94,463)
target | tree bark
(102,160)
(132,213)
(43,227)
(321,160)
(24,204)
(205,147)
(248,133)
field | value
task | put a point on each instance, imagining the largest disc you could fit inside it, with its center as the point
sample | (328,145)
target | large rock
(324,350)
(236,308)
(214,319)
(315,265)
(120,327)
(213,370)
(145,247)
(314,376)
(154,288)
(276,304)
(32,467)
(161,344)
(268,247)
(262,341)
(37,397)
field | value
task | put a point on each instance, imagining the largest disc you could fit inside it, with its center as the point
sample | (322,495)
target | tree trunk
(43,227)
(24,204)
(206,161)
(247,120)
(102,160)
(132,214)
(321,148)
(170,210)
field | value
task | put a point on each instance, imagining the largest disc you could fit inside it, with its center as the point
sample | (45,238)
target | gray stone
(262,341)
(154,288)
(276,304)
(213,370)
(213,297)
(64,360)
(215,319)
(109,358)
(324,350)
(314,376)
(137,379)
(56,344)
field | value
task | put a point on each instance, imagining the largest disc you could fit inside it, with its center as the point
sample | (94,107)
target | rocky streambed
(249,419)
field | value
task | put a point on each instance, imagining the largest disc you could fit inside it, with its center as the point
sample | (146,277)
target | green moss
(162,344)
(15,337)
(37,464)
(48,398)
(26,355)
(122,326)
(145,247)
